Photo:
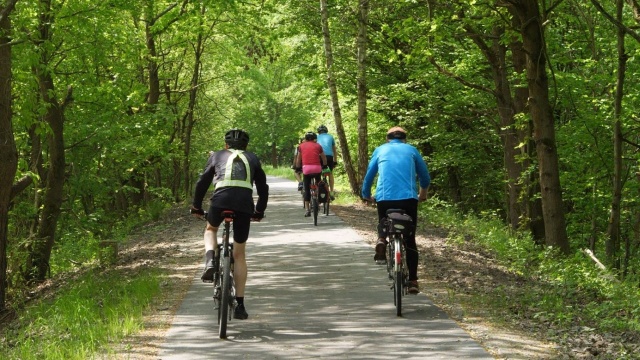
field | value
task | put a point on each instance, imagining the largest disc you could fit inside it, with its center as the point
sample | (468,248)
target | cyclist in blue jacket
(398,166)
(329,147)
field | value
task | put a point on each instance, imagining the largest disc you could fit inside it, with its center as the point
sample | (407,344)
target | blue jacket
(327,142)
(397,165)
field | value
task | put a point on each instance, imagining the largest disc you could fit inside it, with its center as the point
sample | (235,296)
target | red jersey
(310,152)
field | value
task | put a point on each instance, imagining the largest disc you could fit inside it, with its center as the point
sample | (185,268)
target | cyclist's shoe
(209,270)
(380,257)
(240,313)
(412,287)
(299,186)
(307,213)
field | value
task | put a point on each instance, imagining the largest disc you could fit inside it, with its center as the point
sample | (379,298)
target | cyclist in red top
(312,160)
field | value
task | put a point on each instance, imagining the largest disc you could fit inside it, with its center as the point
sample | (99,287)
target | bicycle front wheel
(225,297)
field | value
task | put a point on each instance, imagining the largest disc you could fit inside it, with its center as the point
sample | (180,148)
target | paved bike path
(314,292)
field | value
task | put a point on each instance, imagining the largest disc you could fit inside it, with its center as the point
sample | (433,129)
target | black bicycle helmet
(237,139)
(310,136)
(322,129)
(396,132)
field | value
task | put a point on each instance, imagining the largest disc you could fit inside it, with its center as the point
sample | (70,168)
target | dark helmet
(396,132)
(310,136)
(237,139)
(322,129)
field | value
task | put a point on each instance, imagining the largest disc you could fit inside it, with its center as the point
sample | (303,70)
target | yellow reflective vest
(228,178)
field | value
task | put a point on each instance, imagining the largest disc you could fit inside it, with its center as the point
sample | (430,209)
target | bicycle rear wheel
(217,281)
(398,281)
(225,297)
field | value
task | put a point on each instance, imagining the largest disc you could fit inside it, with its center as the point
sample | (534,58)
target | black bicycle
(313,201)
(224,293)
(398,225)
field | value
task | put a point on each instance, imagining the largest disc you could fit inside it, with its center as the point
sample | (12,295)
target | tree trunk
(190,119)
(362,41)
(496,57)
(544,130)
(39,257)
(8,152)
(532,203)
(333,91)
(613,232)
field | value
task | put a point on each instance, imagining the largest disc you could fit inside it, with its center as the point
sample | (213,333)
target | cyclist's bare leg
(331,181)
(209,252)
(210,237)
(239,268)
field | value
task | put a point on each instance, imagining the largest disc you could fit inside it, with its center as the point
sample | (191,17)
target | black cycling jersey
(232,197)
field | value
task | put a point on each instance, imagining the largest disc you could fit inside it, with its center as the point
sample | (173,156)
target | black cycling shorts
(330,162)
(241,223)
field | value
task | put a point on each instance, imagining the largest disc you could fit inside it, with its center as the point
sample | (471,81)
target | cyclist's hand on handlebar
(326,169)
(257,216)
(370,200)
(199,213)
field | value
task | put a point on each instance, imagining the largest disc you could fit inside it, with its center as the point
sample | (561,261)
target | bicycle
(313,201)
(398,225)
(224,294)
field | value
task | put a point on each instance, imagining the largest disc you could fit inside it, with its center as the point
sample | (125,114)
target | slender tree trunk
(39,257)
(613,232)
(362,41)
(190,118)
(8,152)
(532,203)
(544,130)
(333,92)
(496,56)
(152,64)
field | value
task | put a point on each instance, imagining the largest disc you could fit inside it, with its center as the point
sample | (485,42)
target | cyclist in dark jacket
(233,172)
(398,166)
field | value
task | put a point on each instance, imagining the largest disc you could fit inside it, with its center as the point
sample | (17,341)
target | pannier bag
(400,222)
(322,192)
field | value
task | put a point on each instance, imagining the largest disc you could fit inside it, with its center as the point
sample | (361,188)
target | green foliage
(97,309)
(569,291)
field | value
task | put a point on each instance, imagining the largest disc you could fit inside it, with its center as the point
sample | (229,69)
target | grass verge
(95,309)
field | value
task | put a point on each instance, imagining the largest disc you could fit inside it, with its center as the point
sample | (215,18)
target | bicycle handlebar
(203,215)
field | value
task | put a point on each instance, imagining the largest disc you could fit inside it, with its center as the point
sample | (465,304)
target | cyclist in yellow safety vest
(233,171)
